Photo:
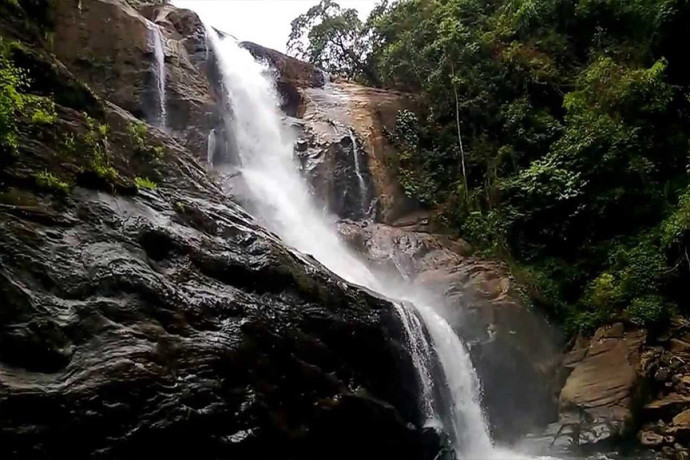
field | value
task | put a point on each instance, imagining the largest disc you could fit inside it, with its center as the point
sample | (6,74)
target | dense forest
(556,137)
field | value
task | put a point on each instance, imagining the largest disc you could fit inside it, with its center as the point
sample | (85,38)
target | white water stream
(358,171)
(285,206)
(157,42)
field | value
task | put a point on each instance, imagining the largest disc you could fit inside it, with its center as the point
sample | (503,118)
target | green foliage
(138,134)
(91,147)
(144,183)
(43,111)
(648,311)
(575,125)
(13,82)
(676,228)
(336,39)
(49,181)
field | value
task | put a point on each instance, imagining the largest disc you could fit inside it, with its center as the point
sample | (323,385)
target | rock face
(605,390)
(331,117)
(507,342)
(164,323)
(341,129)
(108,45)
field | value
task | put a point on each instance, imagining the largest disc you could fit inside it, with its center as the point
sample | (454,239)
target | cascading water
(157,42)
(283,204)
(358,171)
(211,147)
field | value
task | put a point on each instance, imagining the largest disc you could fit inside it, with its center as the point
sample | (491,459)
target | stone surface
(602,394)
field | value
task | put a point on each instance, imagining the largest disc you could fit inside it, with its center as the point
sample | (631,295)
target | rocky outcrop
(665,416)
(604,391)
(343,128)
(508,343)
(160,321)
(292,75)
(330,117)
(108,45)
(624,382)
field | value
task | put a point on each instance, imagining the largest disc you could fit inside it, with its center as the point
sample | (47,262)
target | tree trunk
(462,149)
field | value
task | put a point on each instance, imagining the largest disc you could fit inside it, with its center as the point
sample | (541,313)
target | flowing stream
(282,202)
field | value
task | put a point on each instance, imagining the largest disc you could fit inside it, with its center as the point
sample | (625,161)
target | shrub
(43,111)
(604,292)
(648,311)
(144,183)
(138,137)
(12,101)
(94,143)
(47,180)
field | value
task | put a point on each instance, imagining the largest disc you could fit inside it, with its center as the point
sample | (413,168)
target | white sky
(266,22)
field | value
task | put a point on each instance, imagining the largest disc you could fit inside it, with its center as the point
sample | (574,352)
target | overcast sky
(266,22)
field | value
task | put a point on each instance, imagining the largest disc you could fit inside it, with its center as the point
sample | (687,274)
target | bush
(144,183)
(648,311)
(47,180)
(43,111)
(604,292)
(12,101)
(138,134)
(94,145)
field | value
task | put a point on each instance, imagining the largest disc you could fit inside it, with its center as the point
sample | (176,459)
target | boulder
(602,394)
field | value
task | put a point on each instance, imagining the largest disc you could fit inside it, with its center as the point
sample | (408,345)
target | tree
(333,39)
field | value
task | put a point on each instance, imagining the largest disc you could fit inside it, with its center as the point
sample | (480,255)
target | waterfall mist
(281,201)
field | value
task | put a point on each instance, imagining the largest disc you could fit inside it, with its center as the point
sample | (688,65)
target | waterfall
(281,202)
(157,42)
(358,172)
(211,146)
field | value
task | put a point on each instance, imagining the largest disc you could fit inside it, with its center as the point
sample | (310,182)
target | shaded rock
(330,164)
(650,439)
(667,405)
(605,388)
(106,45)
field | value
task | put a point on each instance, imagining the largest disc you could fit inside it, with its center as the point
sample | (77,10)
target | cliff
(143,314)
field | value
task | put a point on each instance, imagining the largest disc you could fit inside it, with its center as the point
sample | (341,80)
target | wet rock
(169,325)
(602,393)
